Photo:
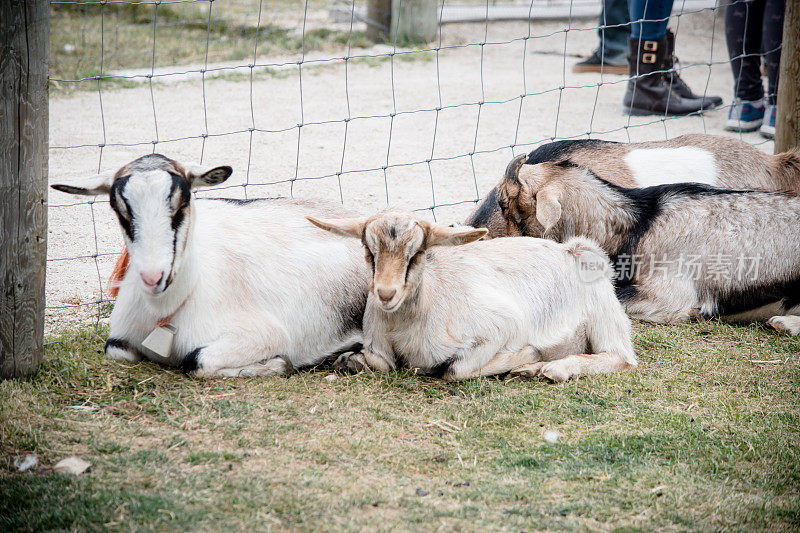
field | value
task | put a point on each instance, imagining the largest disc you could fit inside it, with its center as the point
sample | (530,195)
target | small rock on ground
(71,465)
(26,463)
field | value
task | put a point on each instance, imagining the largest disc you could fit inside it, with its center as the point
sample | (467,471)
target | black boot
(678,85)
(648,91)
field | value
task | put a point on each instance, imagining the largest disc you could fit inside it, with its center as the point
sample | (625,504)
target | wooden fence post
(414,20)
(379,18)
(787,120)
(24,59)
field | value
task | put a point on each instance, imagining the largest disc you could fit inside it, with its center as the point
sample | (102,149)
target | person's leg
(614,34)
(649,18)
(657,14)
(771,40)
(743,21)
(611,54)
(648,90)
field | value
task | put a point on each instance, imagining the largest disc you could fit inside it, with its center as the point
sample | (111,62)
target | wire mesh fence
(294,96)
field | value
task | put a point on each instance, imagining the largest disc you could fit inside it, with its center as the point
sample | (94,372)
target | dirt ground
(391,104)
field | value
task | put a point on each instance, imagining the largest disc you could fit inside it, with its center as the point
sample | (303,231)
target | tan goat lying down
(680,251)
(521,305)
(697,158)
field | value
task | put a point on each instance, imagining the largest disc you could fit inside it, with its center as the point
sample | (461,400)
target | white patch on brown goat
(660,166)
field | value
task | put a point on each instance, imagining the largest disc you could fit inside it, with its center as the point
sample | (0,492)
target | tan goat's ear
(439,235)
(548,207)
(347,227)
(92,186)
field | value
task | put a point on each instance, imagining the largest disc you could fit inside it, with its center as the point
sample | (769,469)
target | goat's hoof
(276,366)
(557,371)
(351,362)
(529,371)
(341,361)
(781,325)
(693,315)
(121,350)
(777,326)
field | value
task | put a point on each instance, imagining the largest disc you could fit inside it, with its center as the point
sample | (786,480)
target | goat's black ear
(203,177)
(92,186)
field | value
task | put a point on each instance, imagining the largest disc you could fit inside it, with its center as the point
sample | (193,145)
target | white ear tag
(159,343)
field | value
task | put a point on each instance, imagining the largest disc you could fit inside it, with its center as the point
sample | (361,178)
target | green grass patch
(90,41)
(700,437)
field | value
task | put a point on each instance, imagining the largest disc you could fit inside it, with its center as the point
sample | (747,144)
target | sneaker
(768,127)
(595,64)
(745,116)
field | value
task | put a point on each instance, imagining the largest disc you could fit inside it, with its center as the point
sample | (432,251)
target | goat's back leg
(240,354)
(277,366)
(576,365)
(558,366)
(470,366)
(662,300)
(607,330)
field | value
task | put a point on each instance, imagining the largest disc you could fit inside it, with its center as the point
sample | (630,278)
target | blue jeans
(614,40)
(649,18)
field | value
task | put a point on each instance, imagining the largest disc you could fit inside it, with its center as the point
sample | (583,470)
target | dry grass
(699,438)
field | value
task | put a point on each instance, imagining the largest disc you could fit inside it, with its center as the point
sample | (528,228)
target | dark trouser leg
(772,36)
(614,30)
(743,24)
(649,18)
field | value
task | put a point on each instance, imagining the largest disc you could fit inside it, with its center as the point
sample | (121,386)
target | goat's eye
(176,202)
(411,252)
(121,209)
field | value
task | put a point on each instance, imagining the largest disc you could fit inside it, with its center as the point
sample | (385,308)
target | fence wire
(296,98)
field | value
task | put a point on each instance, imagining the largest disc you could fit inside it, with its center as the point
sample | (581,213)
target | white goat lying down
(520,305)
(709,159)
(679,251)
(251,287)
